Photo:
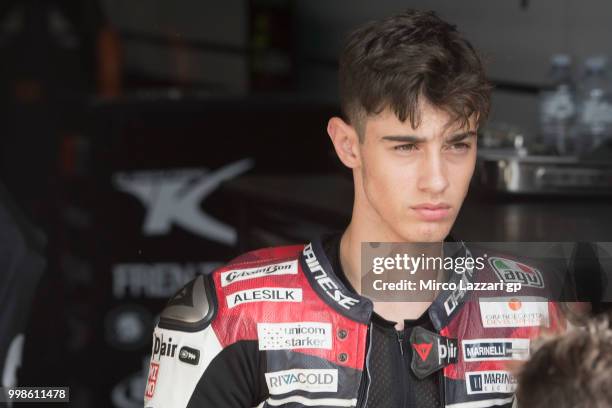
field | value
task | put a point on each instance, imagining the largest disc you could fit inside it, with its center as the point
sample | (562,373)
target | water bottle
(558,105)
(595,106)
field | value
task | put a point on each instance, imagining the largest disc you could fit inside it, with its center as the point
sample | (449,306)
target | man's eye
(461,146)
(406,147)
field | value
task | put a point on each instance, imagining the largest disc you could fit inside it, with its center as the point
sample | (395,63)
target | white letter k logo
(174,198)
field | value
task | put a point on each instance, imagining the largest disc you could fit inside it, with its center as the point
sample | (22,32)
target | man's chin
(426,232)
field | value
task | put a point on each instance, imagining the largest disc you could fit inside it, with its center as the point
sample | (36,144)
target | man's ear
(346,142)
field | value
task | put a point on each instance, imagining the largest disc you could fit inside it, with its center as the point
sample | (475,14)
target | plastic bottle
(558,105)
(595,106)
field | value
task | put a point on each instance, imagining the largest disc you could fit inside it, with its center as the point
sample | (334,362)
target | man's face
(413,181)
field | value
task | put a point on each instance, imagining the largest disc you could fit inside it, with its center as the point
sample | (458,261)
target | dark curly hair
(396,61)
(573,370)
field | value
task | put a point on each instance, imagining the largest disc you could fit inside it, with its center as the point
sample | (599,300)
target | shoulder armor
(192,308)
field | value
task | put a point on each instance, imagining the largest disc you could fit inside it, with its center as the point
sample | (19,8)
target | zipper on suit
(400,339)
(402,368)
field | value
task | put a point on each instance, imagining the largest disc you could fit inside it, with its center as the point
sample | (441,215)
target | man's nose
(433,176)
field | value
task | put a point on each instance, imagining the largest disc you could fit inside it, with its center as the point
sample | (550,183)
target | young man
(288,326)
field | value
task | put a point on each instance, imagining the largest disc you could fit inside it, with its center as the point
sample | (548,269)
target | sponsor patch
(311,380)
(511,271)
(456,296)
(525,311)
(298,335)
(433,352)
(237,275)
(163,347)
(447,351)
(152,380)
(189,355)
(486,382)
(329,285)
(423,350)
(264,295)
(495,349)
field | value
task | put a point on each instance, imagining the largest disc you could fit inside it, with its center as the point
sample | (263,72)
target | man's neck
(350,260)
(350,249)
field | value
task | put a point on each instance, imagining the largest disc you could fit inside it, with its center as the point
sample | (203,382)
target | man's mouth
(432,211)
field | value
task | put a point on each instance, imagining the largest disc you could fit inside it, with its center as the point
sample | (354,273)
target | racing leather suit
(276,327)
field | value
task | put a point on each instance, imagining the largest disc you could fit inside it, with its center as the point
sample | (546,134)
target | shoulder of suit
(263,255)
(192,308)
(195,305)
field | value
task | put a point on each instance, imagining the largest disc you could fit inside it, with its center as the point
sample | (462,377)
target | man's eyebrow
(404,138)
(416,139)
(460,136)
